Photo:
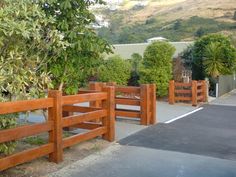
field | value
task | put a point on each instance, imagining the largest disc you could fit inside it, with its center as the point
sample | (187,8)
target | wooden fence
(55,103)
(144,97)
(193,92)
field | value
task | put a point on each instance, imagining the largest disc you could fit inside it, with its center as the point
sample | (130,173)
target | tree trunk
(61,86)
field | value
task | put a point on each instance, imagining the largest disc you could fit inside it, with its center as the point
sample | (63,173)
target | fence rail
(194,92)
(143,97)
(56,103)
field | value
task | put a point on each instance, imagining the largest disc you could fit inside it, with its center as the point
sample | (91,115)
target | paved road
(200,145)
(227,99)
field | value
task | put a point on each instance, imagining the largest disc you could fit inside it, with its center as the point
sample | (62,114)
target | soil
(41,167)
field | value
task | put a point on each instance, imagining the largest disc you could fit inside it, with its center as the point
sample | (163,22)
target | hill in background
(177,20)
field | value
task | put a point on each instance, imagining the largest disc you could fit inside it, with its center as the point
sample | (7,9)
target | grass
(35,140)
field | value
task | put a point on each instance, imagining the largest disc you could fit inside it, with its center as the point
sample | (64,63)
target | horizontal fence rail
(56,104)
(144,97)
(193,92)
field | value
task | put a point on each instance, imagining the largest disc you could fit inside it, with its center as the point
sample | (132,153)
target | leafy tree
(223,44)
(73,19)
(115,69)
(25,40)
(157,66)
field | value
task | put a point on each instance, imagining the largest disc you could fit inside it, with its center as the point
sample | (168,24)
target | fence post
(204,91)
(172,92)
(194,93)
(153,119)
(144,104)
(55,136)
(109,120)
(96,86)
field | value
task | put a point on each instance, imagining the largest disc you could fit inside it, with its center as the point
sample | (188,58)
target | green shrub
(115,69)
(7,121)
(35,140)
(157,76)
(136,63)
(157,66)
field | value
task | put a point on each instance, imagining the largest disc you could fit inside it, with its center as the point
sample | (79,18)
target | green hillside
(178,30)
(181,20)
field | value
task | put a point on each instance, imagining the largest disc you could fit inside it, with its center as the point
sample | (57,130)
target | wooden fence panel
(143,97)
(55,105)
(196,92)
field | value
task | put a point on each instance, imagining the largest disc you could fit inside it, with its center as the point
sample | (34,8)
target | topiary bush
(157,66)
(115,69)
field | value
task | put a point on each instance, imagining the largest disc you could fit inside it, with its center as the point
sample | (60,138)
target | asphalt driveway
(209,132)
(201,144)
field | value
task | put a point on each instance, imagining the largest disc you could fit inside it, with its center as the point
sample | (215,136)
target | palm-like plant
(213,61)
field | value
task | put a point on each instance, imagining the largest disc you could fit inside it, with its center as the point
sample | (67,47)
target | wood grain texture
(194,93)
(153,105)
(76,119)
(25,156)
(171,92)
(80,98)
(128,101)
(55,136)
(26,105)
(109,120)
(81,109)
(24,131)
(70,141)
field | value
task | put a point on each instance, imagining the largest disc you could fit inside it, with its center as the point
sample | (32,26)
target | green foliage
(24,46)
(136,60)
(136,63)
(115,69)
(187,56)
(25,42)
(35,140)
(219,45)
(7,121)
(157,66)
(157,76)
(73,18)
(213,62)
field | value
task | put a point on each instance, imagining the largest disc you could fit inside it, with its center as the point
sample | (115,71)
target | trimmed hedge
(157,66)
(115,69)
